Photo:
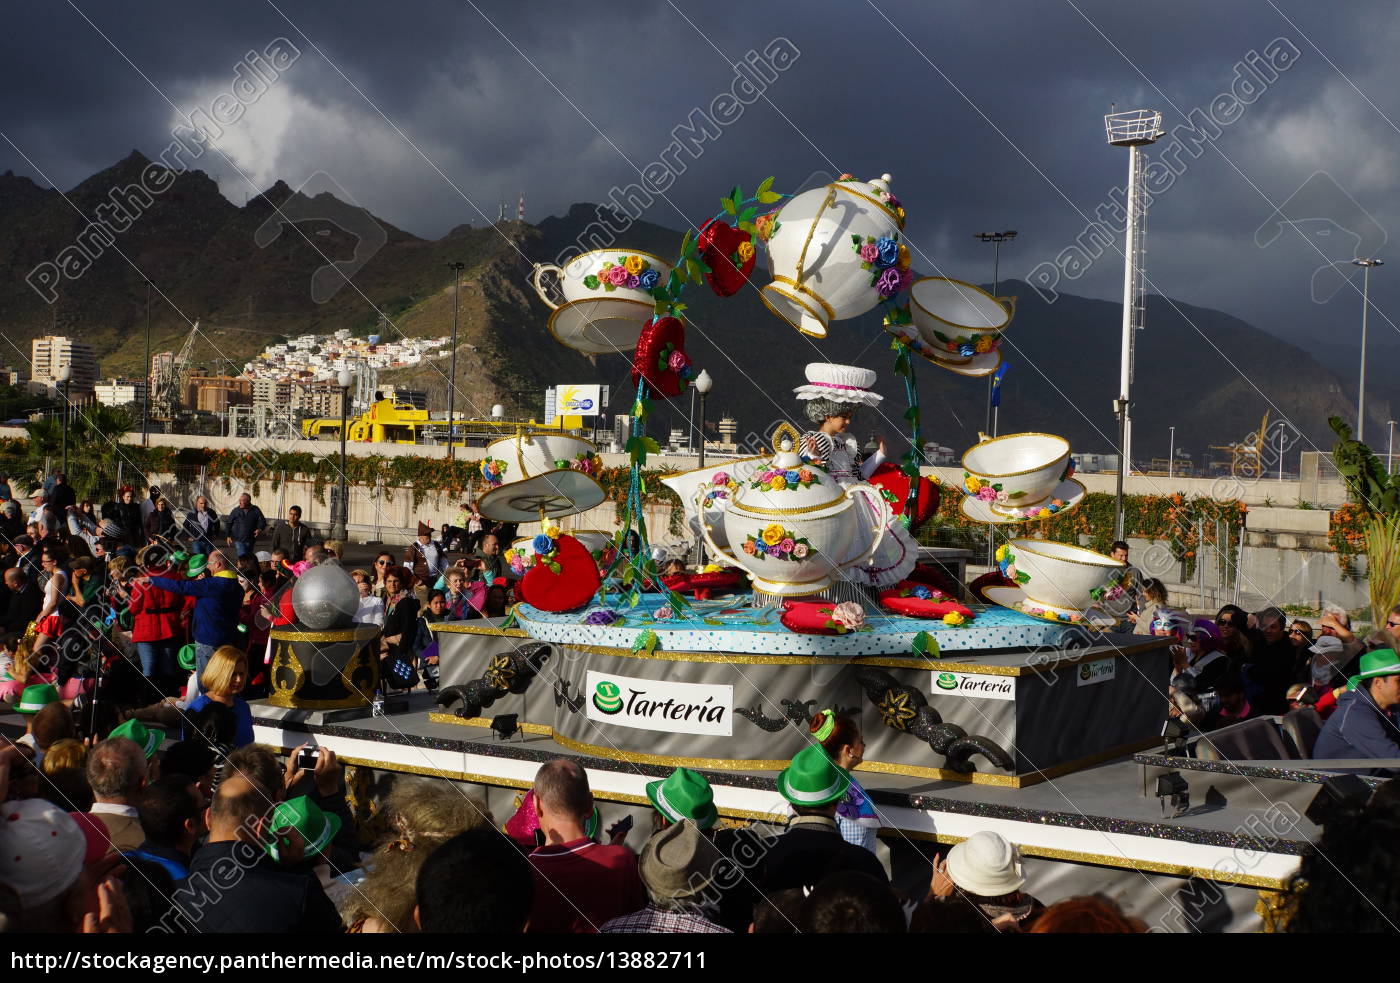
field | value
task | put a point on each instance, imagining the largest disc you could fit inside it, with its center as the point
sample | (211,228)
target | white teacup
(1061,576)
(957,320)
(573,280)
(1022,468)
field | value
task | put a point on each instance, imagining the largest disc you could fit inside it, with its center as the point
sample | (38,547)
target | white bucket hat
(842,383)
(986,864)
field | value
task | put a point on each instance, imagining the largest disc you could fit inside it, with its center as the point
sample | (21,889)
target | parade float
(1016,708)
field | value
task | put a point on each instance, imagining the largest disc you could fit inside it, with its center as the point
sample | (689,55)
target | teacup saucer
(601,325)
(1015,598)
(1068,491)
(980,365)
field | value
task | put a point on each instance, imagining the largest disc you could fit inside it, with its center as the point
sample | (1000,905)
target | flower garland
(966,346)
(589,464)
(1036,611)
(783,479)
(986,491)
(887,259)
(494,471)
(1006,562)
(632,272)
(776,542)
(544,549)
(721,484)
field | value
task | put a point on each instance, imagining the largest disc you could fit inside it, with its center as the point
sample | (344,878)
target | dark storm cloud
(989,115)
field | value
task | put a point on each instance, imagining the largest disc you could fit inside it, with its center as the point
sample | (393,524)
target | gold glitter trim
(763,296)
(953,324)
(1028,546)
(464,628)
(1012,474)
(804,289)
(363,634)
(839,186)
(540,730)
(1104,860)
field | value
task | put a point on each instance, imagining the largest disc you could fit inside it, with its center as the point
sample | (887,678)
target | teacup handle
(540,270)
(885,513)
(705,531)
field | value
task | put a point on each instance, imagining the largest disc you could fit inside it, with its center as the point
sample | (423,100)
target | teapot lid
(785,443)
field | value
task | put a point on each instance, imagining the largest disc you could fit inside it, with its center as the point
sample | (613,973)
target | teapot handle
(885,514)
(718,553)
(540,270)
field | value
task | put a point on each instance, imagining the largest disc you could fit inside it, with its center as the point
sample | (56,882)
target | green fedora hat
(35,698)
(187,657)
(147,738)
(1381,662)
(198,564)
(684,794)
(317,828)
(812,780)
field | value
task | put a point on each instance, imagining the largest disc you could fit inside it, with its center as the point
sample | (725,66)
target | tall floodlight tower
(1134,130)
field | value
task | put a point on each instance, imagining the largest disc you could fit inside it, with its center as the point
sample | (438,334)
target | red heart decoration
(993,578)
(659,333)
(894,600)
(888,477)
(719,243)
(572,587)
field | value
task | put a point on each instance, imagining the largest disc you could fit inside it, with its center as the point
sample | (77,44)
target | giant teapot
(792,527)
(817,273)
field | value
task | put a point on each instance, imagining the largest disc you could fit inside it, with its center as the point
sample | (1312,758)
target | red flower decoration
(647,362)
(719,245)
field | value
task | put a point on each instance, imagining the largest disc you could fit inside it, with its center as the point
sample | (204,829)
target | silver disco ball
(325,597)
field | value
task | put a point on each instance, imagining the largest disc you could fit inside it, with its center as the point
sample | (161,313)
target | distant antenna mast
(1135,129)
(501,212)
(520,208)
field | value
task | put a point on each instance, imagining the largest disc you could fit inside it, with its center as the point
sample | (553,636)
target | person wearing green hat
(812,846)
(683,794)
(218,600)
(1364,723)
(317,829)
(35,698)
(148,739)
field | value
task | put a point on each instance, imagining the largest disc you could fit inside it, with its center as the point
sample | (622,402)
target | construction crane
(1247,456)
(170,381)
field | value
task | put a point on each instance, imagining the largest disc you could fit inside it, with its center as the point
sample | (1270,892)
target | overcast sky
(988,114)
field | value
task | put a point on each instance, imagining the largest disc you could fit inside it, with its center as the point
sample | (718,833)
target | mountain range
(249,282)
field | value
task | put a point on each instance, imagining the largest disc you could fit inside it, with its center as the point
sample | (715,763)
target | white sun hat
(986,864)
(842,383)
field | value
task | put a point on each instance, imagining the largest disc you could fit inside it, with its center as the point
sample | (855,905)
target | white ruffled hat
(841,383)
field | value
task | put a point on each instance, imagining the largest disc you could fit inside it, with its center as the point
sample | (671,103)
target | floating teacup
(957,321)
(1060,577)
(601,298)
(1017,471)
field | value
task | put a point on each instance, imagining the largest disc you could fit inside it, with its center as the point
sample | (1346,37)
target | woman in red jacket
(158,631)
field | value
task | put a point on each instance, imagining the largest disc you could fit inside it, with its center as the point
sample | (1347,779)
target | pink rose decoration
(678,361)
(786,546)
(1003,498)
(720,478)
(663,613)
(617,275)
(868,253)
(848,614)
(987,493)
(799,550)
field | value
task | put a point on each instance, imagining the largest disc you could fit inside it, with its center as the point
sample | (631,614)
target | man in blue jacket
(218,597)
(1362,725)
(245,524)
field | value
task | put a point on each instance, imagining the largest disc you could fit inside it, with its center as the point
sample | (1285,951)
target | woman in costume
(832,395)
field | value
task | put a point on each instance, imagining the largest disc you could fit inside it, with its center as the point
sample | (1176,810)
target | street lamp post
(996,239)
(343,379)
(146,390)
(1171,452)
(703,385)
(456,269)
(1366,266)
(1390,452)
(65,372)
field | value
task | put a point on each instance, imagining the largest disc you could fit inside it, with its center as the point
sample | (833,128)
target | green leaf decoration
(748,213)
(856,240)
(766,194)
(912,413)
(926,645)
(1015,494)
(912,470)
(749,227)
(685,242)
(695,271)
(673,284)
(736,195)
(729,206)
(678,309)
(510,621)
(713,621)
(941,336)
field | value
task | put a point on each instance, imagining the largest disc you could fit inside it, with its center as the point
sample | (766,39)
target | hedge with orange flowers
(1346,534)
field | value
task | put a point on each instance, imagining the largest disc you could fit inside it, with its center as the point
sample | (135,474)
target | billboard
(573,401)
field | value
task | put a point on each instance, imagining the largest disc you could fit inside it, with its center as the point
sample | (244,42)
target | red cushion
(932,575)
(808,617)
(889,478)
(898,600)
(572,587)
(658,333)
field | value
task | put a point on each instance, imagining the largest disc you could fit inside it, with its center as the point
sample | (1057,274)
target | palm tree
(94,446)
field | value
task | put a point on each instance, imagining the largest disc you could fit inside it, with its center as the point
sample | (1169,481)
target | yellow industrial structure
(391,422)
